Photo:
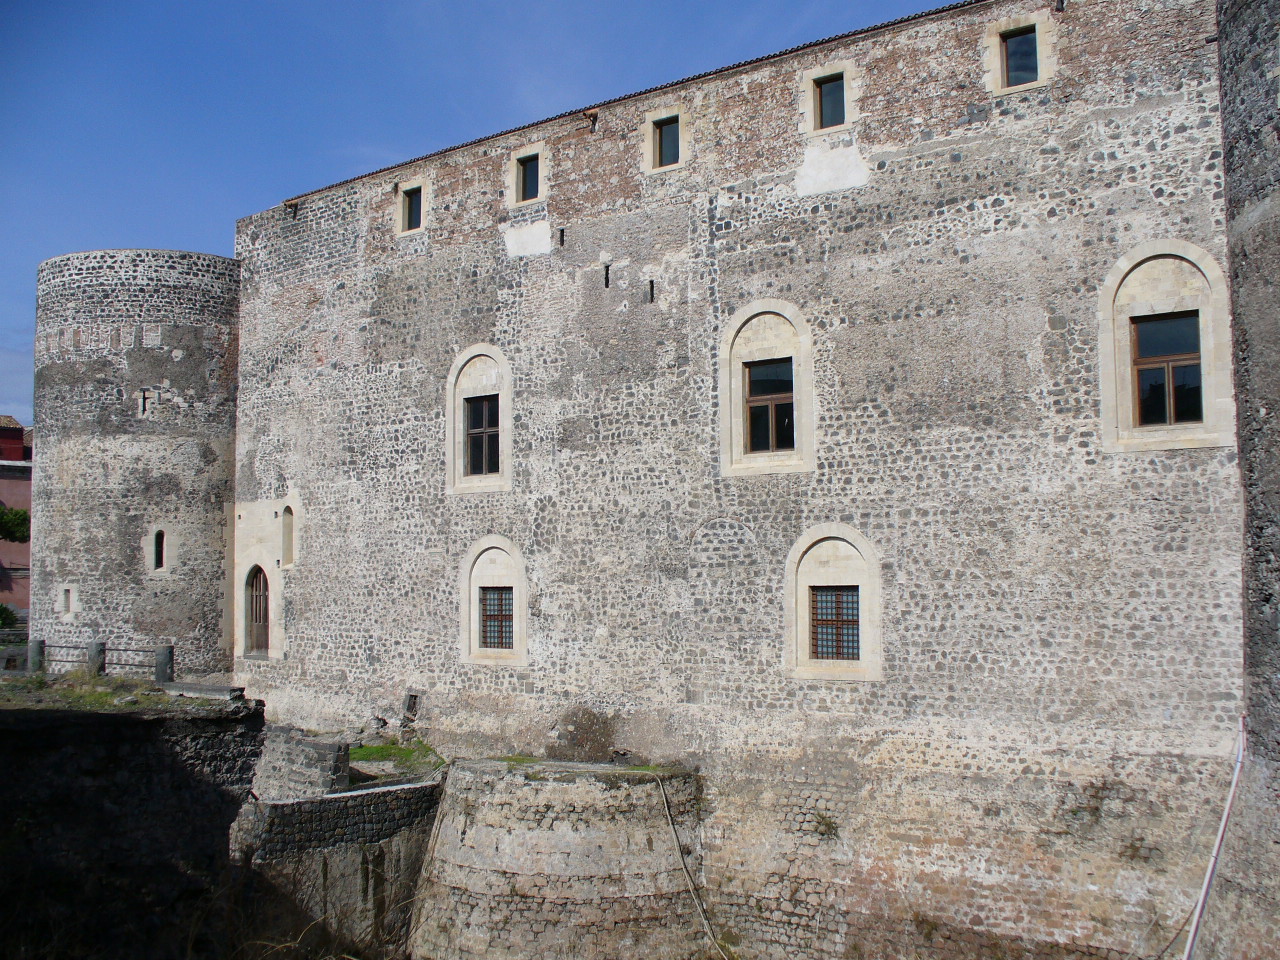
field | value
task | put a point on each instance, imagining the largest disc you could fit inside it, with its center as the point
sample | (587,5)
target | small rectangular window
(770,406)
(829,96)
(666,133)
(833,623)
(1166,363)
(158,559)
(1021,62)
(411,209)
(482,435)
(66,600)
(497,605)
(527,171)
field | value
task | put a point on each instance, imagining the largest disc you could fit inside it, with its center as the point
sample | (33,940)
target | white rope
(693,890)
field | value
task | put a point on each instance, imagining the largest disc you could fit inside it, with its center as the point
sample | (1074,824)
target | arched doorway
(257,612)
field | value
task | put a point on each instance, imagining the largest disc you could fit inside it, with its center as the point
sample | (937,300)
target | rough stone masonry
(1032,749)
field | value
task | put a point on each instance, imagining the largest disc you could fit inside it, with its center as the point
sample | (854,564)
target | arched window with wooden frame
(257,613)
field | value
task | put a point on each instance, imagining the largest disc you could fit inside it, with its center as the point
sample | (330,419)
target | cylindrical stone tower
(135,405)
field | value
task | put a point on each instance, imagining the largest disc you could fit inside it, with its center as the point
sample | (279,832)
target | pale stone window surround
(257,543)
(67,601)
(288,535)
(479,371)
(402,206)
(513,174)
(993,74)
(765,329)
(832,554)
(493,561)
(1164,276)
(649,138)
(149,550)
(809,97)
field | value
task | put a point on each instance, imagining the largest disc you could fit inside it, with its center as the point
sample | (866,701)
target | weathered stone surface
(560,860)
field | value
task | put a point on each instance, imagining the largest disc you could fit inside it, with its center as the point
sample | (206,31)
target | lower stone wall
(294,765)
(113,839)
(1242,919)
(552,860)
(349,861)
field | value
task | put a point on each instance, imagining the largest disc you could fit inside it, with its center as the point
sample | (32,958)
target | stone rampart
(351,861)
(557,860)
(294,765)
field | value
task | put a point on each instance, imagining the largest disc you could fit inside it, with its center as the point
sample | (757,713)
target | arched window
(157,555)
(286,536)
(478,422)
(494,603)
(257,613)
(1164,345)
(832,600)
(766,391)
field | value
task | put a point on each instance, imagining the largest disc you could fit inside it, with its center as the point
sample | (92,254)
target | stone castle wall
(111,324)
(1243,917)
(1061,623)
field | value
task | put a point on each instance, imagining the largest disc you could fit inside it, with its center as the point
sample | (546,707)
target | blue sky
(157,124)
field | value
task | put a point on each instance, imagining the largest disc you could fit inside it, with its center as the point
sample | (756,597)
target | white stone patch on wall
(528,240)
(826,169)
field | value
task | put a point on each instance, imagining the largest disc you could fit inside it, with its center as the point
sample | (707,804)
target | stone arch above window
(833,616)
(478,422)
(1165,284)
(766,391)
(494,596)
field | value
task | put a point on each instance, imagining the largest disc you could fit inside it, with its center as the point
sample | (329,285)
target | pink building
(15,491)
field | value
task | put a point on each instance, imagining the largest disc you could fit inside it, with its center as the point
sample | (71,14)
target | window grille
(834,623)
(497,607)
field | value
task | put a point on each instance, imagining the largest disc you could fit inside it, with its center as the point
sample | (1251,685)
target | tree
(15,525)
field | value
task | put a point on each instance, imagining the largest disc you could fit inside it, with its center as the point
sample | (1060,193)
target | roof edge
(861,31)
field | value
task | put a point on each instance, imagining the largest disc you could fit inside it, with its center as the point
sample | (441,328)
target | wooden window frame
(1005,37)
(819,115)
(485,432)
(815,621)
(1168,362)
(660,128)
(770,400)
(523,178)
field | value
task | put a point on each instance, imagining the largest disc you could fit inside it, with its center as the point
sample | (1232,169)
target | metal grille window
(482,435)
(833,623)
(257,612)
(770,406)
(497,606)
(1021,62)
(829,92)
(527,172)
(666,134)
(1166,369)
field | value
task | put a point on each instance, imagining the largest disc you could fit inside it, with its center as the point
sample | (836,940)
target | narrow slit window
(497,608)
(829,96)
(66,601)
(770,406)
(1021,59)
(286,536)
(158,554)
(411,200)
(1166,369)
(527,173)
(666,134)
(833,623)
(483,451)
